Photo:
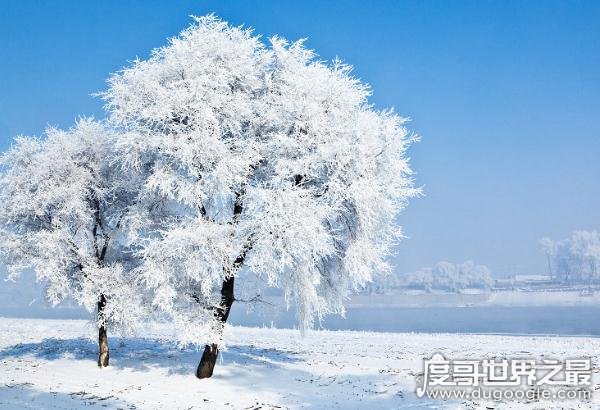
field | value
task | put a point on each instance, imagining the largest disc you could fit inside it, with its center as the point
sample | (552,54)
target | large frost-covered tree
(257,160)
(63,201)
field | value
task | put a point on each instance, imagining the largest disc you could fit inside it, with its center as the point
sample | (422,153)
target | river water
(551,320)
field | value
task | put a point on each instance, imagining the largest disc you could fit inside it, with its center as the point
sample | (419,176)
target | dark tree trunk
(211,352)
(102,336)
(100,254)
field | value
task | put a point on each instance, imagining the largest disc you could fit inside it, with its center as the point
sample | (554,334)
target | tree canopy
(221,157)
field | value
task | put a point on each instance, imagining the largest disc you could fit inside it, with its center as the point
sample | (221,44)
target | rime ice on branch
(259,160)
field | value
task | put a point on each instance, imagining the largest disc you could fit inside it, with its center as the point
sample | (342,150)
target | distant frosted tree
(575,259)
(449,277)
(62,206)
(264,161)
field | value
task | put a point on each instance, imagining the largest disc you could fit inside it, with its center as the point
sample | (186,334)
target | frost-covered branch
(267,162)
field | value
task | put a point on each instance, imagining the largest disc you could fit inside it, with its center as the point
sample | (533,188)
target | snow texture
(51,364)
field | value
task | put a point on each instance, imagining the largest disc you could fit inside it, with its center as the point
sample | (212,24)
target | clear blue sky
(505,94)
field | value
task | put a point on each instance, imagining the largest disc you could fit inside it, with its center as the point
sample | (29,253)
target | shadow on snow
(245,364)
(23,395)
(143,354)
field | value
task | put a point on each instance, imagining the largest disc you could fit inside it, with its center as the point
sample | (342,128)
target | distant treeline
(445,276)
(571,261)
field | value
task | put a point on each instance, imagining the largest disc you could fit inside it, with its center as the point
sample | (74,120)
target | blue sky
(505,95)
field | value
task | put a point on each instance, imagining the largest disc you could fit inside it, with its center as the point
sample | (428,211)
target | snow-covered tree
(448,276)
(62,207)
(265,163)
(575,259)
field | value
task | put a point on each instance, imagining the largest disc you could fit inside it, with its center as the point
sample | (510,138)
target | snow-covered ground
(50,364)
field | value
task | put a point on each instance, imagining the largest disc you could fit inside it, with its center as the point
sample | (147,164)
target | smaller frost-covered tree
(575,259)
(264,162)
(62,207)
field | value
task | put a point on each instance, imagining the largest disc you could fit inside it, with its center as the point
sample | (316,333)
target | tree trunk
(211,352)
(102,336)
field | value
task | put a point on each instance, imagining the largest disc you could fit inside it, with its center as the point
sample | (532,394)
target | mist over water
(547,320)
(23,299)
